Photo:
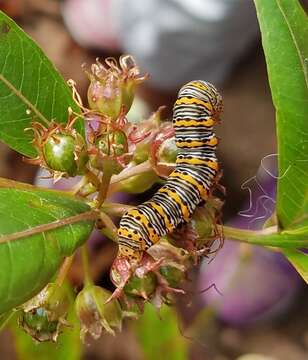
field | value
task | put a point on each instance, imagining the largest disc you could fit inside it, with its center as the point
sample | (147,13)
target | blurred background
(262,309)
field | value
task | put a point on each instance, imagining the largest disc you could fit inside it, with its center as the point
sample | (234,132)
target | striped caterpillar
(195,111)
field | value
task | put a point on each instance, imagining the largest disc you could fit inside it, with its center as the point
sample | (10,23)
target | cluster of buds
(161,274)
(64,152)
(163,268)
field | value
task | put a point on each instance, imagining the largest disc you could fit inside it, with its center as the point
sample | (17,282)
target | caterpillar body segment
(195,112)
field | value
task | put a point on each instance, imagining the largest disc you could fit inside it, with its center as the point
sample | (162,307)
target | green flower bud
(65,153)
(141,286)
(95,314)
(204,222)
(112,87)
(36,324)
(113,144)
(44,315)
(163,151)
(173,274)
(167,152)
(109,150)
(174,265)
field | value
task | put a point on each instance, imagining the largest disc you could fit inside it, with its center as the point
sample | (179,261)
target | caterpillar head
(134,256)
(130,243)
(204,91)
(123,268)
(128,258)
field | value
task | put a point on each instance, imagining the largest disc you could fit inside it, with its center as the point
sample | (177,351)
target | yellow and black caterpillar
(195,112)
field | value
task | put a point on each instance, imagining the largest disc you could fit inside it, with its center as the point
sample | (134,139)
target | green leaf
(159,334)
(28,81)
(299,260)
(297,238)
(284,29)
(68,345)
(4,318)
(29,261)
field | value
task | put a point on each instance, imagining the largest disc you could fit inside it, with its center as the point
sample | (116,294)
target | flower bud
(109,149)
(141,286)
(95,314)
(174,264)
(113,143)
(141,152)
(44,315)
(201,231)
(174,274)
(105,96)
(163,151)
(111,164)
(37,325)
(112,87)
(65,153)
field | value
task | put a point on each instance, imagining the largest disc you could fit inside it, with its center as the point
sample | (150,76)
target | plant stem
(265,237)
(109,229)
(93,178)
(243,234)
(132,171)
(64,269)
(89,177)
(115,209)
(75,189)
(85,265)
(103,190)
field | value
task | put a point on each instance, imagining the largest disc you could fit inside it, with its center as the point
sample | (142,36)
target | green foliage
(284,29)
(28,81)
(159,334)
(29,262)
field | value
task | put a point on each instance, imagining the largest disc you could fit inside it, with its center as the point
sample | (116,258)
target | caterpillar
(195,112)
